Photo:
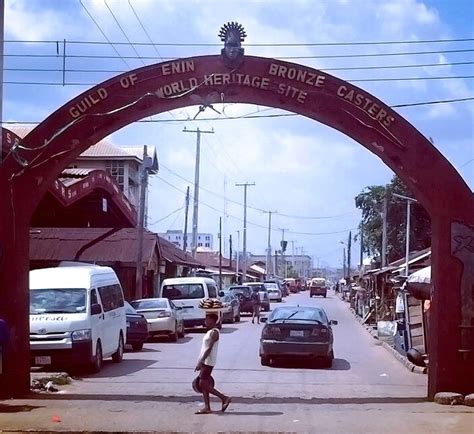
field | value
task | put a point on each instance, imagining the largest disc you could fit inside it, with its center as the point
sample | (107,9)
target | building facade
(205,241)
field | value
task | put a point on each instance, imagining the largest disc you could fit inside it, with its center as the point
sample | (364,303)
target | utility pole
(237,259)
(269,244)
(361,259)
(141,221)
(196,185)
(230,251)
(220,254)
(244,259)
(283,249)
(384,232)
(293,256)
(344,263)
(185,236)
(349,251)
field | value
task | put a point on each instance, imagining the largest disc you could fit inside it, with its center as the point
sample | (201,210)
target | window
(212,290)
(116,170)
(208,238)
(58,300)
(186,290)
(111,297)
(94,299)
(149,304)
(208,245)
(199,244)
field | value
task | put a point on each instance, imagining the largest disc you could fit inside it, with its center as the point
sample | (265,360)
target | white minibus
(186,293)
(77,316)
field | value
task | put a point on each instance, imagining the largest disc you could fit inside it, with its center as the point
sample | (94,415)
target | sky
(305,171)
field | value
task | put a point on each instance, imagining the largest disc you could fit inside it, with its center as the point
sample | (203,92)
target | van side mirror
(221,293)
(96,309)
(333,322)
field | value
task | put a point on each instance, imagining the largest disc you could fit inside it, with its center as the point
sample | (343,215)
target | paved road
(361,367)
(366,390)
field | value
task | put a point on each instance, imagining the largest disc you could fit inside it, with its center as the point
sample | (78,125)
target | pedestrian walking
(205,365)
(256,305)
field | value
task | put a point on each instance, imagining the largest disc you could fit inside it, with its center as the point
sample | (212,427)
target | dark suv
(243,294)
(262,292)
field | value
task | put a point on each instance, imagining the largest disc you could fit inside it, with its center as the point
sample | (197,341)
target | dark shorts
(205,372)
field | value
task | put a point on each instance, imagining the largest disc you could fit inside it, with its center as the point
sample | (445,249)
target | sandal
(225,404)
(203,411)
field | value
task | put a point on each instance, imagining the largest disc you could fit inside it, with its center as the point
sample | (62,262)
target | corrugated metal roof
(62,244)
(75,172)
(20,130)
(175,255)
(105,149)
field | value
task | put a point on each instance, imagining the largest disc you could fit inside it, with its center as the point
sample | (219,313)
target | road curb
(400,357)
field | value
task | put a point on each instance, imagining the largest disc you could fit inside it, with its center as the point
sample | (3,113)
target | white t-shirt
(211,359)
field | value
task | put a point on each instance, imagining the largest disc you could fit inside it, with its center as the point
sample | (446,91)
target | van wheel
(96,365)
(117,357)
(181,331)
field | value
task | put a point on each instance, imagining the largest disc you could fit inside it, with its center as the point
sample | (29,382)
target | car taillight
(164,314)
(319,331)
(270,332)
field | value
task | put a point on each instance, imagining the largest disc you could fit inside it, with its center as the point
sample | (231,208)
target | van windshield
(58,300)
(183,291)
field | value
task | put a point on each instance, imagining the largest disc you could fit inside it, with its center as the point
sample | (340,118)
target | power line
(310,44)
(251,223)
(144,29)
(123,31)
(327,56)
(253,207)
(166,216)
(103,34)
(349,68)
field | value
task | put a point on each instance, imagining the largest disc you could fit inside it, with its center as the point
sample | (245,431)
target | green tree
(370,202)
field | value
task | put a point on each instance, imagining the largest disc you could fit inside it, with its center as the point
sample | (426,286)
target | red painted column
(451,367)
(14,307)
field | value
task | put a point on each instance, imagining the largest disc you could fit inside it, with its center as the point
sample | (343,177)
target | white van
(186,293)
(77,316)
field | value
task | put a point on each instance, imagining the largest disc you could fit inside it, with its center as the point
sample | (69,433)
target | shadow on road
(5,408)
(250,413)
(228,330)
(166,340)
(337,364)
(235,400)
(112,370)
(143,350)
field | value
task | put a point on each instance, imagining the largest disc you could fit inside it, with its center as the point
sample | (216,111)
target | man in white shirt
(206,362)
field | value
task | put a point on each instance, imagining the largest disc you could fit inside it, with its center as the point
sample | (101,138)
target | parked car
(232,312)
(274,294)
(262,292)
(318,286)
(242,293)
(77,316)
(137,328)
(297,331)
(187,293)
(163,317)
(281,286)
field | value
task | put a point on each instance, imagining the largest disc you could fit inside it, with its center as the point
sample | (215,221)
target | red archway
(29,169)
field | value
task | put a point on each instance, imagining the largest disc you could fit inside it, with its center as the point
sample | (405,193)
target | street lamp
(407,238)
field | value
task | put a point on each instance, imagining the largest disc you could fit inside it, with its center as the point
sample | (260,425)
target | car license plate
(296,333)
(43,360)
